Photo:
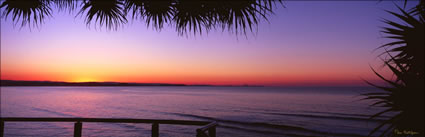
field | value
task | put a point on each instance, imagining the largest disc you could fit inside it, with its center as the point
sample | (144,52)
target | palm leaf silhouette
(418,9)
(235,16)
(191,16)
(242,15)
(135,7)
(404,96)
(186,16)
(26,12)
(409,39)
(105,12)
(158,12)
(69,5)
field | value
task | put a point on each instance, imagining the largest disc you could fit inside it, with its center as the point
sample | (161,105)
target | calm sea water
(240,111)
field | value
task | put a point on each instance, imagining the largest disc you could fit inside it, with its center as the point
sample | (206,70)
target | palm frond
(418,9)
(408,46)
(403,99)
(69,5)
(187,16)
(157,13)
(104,12)
(26,12)
(191,16)
(135,7)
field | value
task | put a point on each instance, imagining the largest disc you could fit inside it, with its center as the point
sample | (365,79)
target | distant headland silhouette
(95,84)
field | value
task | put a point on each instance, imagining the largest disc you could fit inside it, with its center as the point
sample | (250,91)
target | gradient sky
(306,43)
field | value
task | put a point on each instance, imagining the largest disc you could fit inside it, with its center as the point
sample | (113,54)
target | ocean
(239,111)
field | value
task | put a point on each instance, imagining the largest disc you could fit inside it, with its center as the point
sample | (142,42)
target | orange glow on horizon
(84,79)
(184,73)
(191,79)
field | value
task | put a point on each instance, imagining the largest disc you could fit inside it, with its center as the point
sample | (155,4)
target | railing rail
(200,132)
(211,127)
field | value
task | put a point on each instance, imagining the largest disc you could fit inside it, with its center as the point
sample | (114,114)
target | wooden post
(211,131)
(155,130)
(200,133)
(1,128)
(77,129)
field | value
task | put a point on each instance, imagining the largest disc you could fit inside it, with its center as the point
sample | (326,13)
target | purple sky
(306,43)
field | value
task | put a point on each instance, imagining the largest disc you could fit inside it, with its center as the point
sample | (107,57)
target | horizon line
(180,84)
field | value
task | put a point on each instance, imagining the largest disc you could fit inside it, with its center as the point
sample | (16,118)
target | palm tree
(404,96)
(186,16)
(419,9)
(154,13)
(409,43)
(107,12)
(192,16)
(239,15)
(69,5)
(30,12)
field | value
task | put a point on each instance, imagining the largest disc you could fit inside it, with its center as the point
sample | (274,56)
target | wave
(265,128)
(52,112)
(326,117)
(349,114)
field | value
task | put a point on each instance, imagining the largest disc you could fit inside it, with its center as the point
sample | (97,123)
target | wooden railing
(209,127)
(201,132)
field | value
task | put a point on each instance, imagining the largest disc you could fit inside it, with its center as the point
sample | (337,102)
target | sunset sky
(306,43)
